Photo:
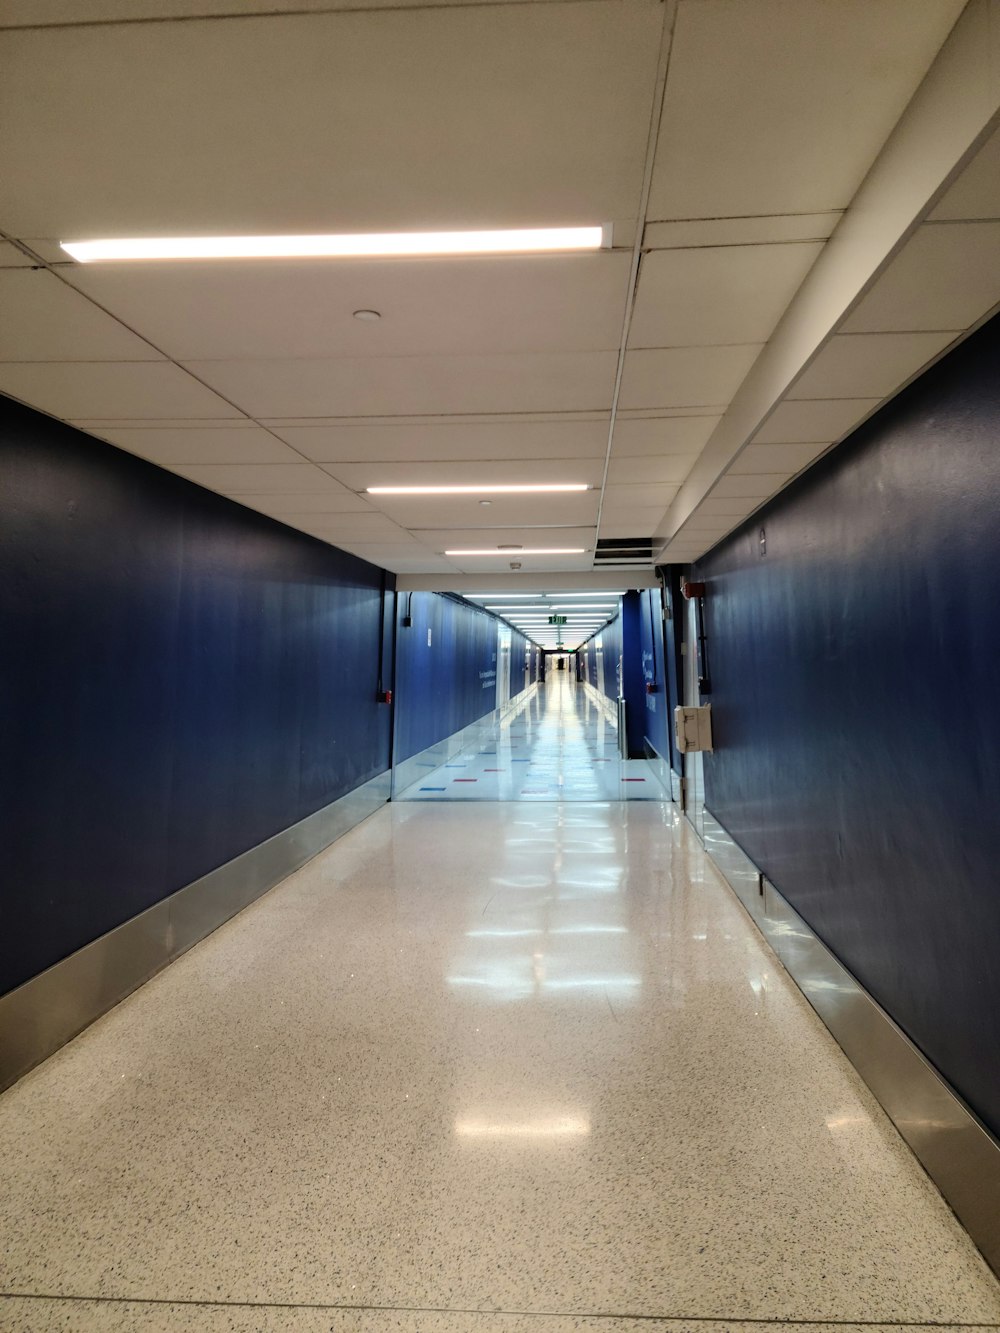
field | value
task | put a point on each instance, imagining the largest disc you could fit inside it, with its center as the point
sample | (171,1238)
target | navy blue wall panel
(856,707)
(656,705)
(179,679)
(633,683)
(448,683)
(611,638)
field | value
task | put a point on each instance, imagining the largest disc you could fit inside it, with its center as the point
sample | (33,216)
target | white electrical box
(693,728)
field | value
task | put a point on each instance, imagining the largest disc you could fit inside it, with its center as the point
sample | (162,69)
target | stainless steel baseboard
(43,1014)
(957,1152)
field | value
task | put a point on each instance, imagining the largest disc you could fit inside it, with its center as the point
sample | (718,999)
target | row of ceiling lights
(496,241)
(586,613)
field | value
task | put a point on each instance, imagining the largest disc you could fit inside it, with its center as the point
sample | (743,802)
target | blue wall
(856,707)
(656,716)
(180,679)
(444,685)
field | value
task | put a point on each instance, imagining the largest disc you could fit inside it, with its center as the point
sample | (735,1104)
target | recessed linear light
(362,245)
(475,490)
(525,550)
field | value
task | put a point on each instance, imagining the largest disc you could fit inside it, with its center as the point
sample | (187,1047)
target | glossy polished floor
(559,746)
(488,1068)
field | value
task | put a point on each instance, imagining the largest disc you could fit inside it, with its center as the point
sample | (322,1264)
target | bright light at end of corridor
(365,245)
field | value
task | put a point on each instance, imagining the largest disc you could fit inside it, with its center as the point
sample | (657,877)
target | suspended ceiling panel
(171,446)
(260,478)
(414,443)
(44,320)
(936,282)
(661,436)
(684,376)
(147,389)
(780,106)
(546,519)
(451,117)
(716,294)
(294,309)
(552,382)
(867,364)
(33,12)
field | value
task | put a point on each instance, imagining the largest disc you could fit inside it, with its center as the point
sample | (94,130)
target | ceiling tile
(170,446)
(12,257)
(415,384)
(304,308)
(787,458)
(646,496)
(142,390)
(781,106)
(441,538)
(976,193)
(357,527)
(468,511)
(255,478)
(639,523)
(655,436)
(721,294)
(725,508)
(817,421)
(946,277)
(286,504)
(684,376)
(689,232)
(751,487)
(672,468)
(487,116)
(44,320)
(460,441)
(867,364)
(17,13)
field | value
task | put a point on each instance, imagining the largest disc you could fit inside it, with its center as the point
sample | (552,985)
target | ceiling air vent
(624,551)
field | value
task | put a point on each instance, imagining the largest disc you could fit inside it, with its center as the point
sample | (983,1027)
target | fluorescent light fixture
(594,592)
(504,596)
(476,490)
(517,552)
(363,245)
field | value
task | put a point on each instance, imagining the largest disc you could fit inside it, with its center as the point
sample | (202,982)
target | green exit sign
(557,620)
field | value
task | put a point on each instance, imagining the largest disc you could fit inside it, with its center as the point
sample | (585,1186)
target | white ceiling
(616,369)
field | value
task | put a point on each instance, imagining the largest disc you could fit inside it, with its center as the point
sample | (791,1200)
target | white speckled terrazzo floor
(479,1068)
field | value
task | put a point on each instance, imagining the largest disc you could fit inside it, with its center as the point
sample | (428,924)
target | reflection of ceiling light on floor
(546,1127)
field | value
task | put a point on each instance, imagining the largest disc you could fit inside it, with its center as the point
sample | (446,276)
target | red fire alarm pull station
(693,590)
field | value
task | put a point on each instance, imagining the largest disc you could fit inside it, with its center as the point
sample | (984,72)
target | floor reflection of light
(545,1127)
(589,930)
(838,1124)
(594,983)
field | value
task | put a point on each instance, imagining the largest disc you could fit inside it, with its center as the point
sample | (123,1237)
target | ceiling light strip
(515,553)
(477,490)
(369,245)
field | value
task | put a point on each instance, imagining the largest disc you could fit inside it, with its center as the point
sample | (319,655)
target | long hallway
(483,1068)
(556,744)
